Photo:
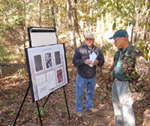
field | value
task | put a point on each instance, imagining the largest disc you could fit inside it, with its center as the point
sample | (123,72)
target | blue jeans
(81,84)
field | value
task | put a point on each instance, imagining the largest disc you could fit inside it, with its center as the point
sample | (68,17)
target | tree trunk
(77,27)
(53,15)
(91,14)
(146,20)
(145,32)
(102,29)
(24,27)
(40,22)
(71,23)
(132,34)
(137,21)
(52,3)
(98,31)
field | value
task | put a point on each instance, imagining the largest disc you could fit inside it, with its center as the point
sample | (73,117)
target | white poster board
(41,36)
(47,69)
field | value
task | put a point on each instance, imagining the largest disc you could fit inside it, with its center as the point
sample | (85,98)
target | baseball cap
(89,35)
(120,33)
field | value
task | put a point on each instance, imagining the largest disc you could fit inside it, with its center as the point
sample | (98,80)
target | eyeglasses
(88,39)
(117,39)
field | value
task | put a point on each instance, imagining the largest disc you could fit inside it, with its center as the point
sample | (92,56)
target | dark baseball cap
(120,33)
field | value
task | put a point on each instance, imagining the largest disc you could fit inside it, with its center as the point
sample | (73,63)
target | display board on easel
(46,62)
(47,69)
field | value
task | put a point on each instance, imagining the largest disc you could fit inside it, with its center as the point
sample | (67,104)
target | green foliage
(112,52)
(11,113)
(4,55)
(61,105)
(142,46)
(12,96)
(89,21)
(106,47)
(114,26)
(141,96)
(2,34)
(148,27)
(22,72)
(1,50)
(41,112)
(101,97)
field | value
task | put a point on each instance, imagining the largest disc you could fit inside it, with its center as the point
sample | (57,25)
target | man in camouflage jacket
(128,72)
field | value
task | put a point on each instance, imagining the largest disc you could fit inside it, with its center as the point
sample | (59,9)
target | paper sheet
(93,57)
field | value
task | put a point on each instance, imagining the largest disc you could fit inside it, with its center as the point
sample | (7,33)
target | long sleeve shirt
(134,67)
(81,54)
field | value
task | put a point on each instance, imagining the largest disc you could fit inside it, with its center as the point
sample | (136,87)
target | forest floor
(14,84)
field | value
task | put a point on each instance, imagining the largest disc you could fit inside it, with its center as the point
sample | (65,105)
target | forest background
(72,19)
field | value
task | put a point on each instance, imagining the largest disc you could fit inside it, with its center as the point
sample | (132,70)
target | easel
(46,99)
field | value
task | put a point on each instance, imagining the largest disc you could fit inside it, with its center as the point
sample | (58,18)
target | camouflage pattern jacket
(134,68)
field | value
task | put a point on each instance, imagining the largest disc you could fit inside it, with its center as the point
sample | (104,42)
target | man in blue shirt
(86,72)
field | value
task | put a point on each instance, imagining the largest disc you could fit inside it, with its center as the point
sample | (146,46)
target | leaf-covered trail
(13,87)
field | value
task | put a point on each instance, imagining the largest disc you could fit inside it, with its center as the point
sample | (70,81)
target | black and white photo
(57,57)
(38,63)
(48,60)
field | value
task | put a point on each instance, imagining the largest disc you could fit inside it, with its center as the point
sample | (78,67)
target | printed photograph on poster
(48,60)
(57,58)
(59,76)
(38,63)
(44,76)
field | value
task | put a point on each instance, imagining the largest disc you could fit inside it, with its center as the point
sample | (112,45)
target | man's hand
(88,61)
(95,62)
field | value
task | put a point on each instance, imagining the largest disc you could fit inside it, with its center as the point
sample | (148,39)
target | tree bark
(145,33)
(146,19)
(71,23)
(40,22)
(137,21)
(77,27)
